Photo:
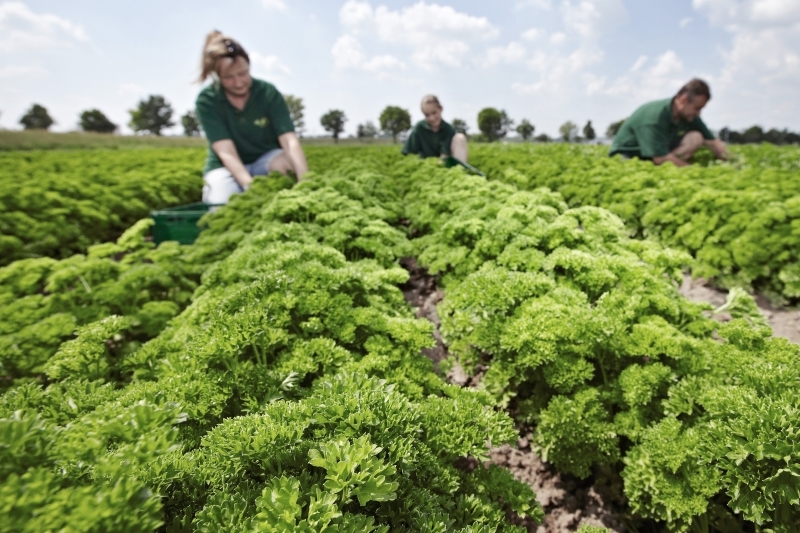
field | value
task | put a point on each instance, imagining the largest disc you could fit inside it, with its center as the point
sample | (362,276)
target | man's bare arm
(719,149)
(672,158)
(226,151)
(294,151)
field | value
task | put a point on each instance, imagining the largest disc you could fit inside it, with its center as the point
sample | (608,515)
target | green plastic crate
(452,161)
(178,223)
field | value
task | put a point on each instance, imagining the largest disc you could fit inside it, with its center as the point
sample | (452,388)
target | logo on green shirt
(261,122)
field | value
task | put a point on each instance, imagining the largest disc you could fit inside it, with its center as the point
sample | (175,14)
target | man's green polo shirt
(428,143)
(650,132)
(254,130)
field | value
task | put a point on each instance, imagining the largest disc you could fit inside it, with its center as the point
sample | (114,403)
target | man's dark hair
(695,87)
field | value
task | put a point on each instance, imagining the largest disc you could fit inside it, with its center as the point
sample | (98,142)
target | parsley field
(270,376)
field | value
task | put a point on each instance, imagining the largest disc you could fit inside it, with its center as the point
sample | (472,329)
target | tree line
(154,114)
(151,115)
(493,125)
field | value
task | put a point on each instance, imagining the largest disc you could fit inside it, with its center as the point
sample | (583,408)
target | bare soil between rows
(784,322)
(567,501)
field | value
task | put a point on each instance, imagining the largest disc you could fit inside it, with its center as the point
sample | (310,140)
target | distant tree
(460,125)
(774,136)
(333,121)
(191,126)
(493,124)
(753,134)
(151,115)
(588,131)
(543,138)
(36,118)
(525,129)
(95,120)
(568,131)
(394,121)
(366,130)
(613,128)
(296,108)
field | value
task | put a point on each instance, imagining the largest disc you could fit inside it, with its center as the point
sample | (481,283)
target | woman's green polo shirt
(428,143)
(254,130)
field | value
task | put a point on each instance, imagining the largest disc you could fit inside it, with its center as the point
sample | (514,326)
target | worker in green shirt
(669,130)
(246,121)
(433,137)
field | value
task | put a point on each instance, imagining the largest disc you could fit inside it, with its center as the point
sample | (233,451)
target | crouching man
(669,130)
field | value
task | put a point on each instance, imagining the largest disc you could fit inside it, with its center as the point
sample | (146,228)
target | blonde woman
(246,121)
(433,137)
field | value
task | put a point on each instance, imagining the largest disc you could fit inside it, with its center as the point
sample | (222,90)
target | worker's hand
(719,149)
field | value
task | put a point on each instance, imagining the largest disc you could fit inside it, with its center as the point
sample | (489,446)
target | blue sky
(545,60)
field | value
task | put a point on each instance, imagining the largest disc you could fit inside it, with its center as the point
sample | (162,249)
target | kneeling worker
(433,137)
(246,121)
(669,130)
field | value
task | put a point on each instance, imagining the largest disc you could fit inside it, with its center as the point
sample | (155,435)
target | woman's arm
(294,151)
(226,151)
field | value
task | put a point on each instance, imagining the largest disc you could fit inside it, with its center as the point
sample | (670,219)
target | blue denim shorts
(260,167)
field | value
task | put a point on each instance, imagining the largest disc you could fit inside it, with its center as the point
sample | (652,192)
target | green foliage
(57,204)
(333,121)
(394,120)
(191,126)
(588,131)
(151,115)
(525,129)
(568,131)
(366,130)
(493,124)
(287,391)
(460,125)
(290,395)
(580,331)
(736,219)
(95,120)
(36,118)
(296,109)
(46,300)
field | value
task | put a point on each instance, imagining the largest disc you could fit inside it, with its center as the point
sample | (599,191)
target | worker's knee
(693,138)
(280,164)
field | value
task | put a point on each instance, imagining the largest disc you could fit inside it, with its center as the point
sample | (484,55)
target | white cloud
(593,18)
(514,52)
(667,64)
(532,34)
(558,38)
(640,84)
(434,33)
(17,71)
(279,5)
(21,28)
(354,13)
(269,65)
(736,13)
(639,63)
(761,65)
(349,54)
(559,73)
(685,21)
